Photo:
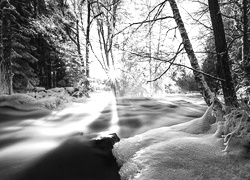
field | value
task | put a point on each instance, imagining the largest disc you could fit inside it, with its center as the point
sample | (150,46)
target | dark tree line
(34,39)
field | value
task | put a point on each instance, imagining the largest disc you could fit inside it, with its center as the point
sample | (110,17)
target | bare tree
(80,14)
(105,12)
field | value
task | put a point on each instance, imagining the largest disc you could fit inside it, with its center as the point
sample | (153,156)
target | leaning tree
(199,77)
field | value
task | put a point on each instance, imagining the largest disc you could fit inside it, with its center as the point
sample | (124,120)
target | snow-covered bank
(191,150)
(51,99)
(21,102)
(161,154)
(27,103)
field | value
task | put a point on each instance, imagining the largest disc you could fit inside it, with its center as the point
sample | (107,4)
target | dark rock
(107,142)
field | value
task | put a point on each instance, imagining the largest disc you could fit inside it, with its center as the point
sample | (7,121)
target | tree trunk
(7,74)
(76,40)
(223,68)
(199,78)
(49,74)
(2,73)
(41,66)
(245,47)
(78,44)
(87,39)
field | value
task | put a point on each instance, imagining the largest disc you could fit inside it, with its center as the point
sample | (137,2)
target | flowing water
(28,136)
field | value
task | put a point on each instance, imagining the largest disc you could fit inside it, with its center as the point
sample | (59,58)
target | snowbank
(27,103)
(191,150)
(20,102)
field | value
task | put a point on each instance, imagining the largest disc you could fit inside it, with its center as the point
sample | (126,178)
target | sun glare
(113,74)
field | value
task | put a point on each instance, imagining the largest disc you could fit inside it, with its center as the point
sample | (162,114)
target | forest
(143,48)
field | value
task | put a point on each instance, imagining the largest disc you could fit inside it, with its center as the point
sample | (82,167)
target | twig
(142,22)
(201,72)
(171,63)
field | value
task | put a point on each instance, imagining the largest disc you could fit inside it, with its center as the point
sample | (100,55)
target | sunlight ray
(115,118)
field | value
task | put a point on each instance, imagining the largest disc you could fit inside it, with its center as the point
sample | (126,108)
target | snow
(190,150)
(20,101)
(165,154)
(51,99)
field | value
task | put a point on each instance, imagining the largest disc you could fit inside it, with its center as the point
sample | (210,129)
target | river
(27,136)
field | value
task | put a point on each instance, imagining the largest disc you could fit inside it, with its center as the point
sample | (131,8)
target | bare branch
(163,72)
(201,72)
(204,4)
(198,21)
(229,45)
(142,22)
(103,65)
(171,61)
(182,65)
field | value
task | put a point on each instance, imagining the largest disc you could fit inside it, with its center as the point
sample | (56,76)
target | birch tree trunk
(87,39)
(223,68)
(78,43)
(199,78)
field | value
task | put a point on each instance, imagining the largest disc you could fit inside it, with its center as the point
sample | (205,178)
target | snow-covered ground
(164,153)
